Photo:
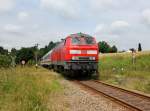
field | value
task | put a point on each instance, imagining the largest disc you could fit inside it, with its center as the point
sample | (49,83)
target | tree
(13,57)
(139,47)
(3,51)
(5,61)
(104,47)
(51,45)
(25,54)
(13,52)
(47,48)
(132,49)
(113,49)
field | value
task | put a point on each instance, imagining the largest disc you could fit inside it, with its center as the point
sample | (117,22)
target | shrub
(31,62)
(5,61)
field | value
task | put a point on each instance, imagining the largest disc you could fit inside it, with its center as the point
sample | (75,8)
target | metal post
(36,55)
(13,63)
(134,59)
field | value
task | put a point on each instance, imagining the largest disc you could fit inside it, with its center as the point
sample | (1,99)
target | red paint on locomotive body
(76,52)
(83,48)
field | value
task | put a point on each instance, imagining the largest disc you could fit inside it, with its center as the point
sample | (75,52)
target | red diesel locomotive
(77,52)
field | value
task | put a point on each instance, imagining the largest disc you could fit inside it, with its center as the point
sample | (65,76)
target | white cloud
(65,8)
(119,26)
(23,15)
(111,31)
(146,16)
(114,27)
(6,5)
(12,28)
(104,32)
(102,4)
(99,28)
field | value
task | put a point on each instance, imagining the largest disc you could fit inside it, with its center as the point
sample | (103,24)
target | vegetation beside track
(118,69)
(28,89)
(5,61)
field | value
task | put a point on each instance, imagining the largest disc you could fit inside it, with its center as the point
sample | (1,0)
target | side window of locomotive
(64,42)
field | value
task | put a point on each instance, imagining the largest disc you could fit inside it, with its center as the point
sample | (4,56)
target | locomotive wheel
(96,75)
(55,68)
(65,72)
(61,69)
(58,69)
(89,73)
(73,73)
(50,67)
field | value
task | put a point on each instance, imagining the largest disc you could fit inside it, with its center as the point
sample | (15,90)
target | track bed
(130,99)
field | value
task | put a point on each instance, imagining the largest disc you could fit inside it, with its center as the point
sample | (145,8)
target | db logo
(84,52)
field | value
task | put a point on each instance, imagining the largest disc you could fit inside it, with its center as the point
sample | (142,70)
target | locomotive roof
(80,35)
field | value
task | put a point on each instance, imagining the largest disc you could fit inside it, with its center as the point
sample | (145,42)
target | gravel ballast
(79,99)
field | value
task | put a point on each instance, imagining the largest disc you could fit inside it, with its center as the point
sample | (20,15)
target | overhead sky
(124,23)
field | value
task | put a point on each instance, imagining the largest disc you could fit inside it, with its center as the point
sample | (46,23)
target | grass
(118,69)
(28,89)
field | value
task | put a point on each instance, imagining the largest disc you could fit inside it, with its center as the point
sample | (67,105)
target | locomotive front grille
(84,58)
(79,58)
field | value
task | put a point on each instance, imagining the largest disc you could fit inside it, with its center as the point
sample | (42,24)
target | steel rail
(125,90)
(116,99)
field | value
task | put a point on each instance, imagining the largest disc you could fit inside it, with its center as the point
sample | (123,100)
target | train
(76,54)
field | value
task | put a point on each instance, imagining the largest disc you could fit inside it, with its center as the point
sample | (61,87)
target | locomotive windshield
(83,41)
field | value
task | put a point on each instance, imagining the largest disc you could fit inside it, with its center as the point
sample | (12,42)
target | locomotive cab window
(83,41)
(76,41)
(89,40)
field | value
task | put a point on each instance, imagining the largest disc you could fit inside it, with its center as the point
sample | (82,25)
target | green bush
(31,62)
(5,61)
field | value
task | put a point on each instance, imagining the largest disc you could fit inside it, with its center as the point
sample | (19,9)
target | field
(118,69)
(28,89)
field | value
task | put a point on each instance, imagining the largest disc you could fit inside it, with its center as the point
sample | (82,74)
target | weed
(118,69)
(27,89)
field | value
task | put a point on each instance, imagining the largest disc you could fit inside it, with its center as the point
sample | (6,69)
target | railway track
(130,99)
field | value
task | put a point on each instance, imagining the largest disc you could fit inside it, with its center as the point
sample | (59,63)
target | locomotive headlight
(92,52)
(75,58)
(92,58)
(75,51)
